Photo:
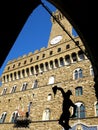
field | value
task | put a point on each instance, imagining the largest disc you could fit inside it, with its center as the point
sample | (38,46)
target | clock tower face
(56,40)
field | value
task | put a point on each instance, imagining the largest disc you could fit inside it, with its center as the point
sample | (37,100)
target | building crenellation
(47,51)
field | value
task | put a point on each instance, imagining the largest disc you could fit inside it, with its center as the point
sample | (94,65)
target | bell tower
(57,34)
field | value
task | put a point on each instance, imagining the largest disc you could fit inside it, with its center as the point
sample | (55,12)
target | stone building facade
(30,78)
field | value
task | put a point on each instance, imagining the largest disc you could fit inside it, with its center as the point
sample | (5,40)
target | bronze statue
(67,103)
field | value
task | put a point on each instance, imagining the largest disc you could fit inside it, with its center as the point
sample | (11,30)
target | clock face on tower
(56,39)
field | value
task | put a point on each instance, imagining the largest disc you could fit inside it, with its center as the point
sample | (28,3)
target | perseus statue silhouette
(67,103)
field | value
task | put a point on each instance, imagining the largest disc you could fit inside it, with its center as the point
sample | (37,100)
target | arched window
(4,91)
(80,73)
(8,68)
(7,77)
(24,87)
(51,80)
(46,66)
(11,76)
(31,59)
(3,116)
(43,56)
(27,71)
(37,69)
(14,75)
(37,57)
(77,73)
(56,63)
(80,111)
(51,52)
(32,70)
(67,60)
(13,66)
(78,91)
(18,74)
(25,62)
(14,116)
(51,64)
(67,46)
(41,67)
(59,50)
(81,55)
(74,57)
(61,62)
(19,64)
(13,89)
(35,84)
(4,78)
(46,114)
(23,73)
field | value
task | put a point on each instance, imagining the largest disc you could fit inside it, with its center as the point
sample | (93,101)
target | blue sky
(34,34)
